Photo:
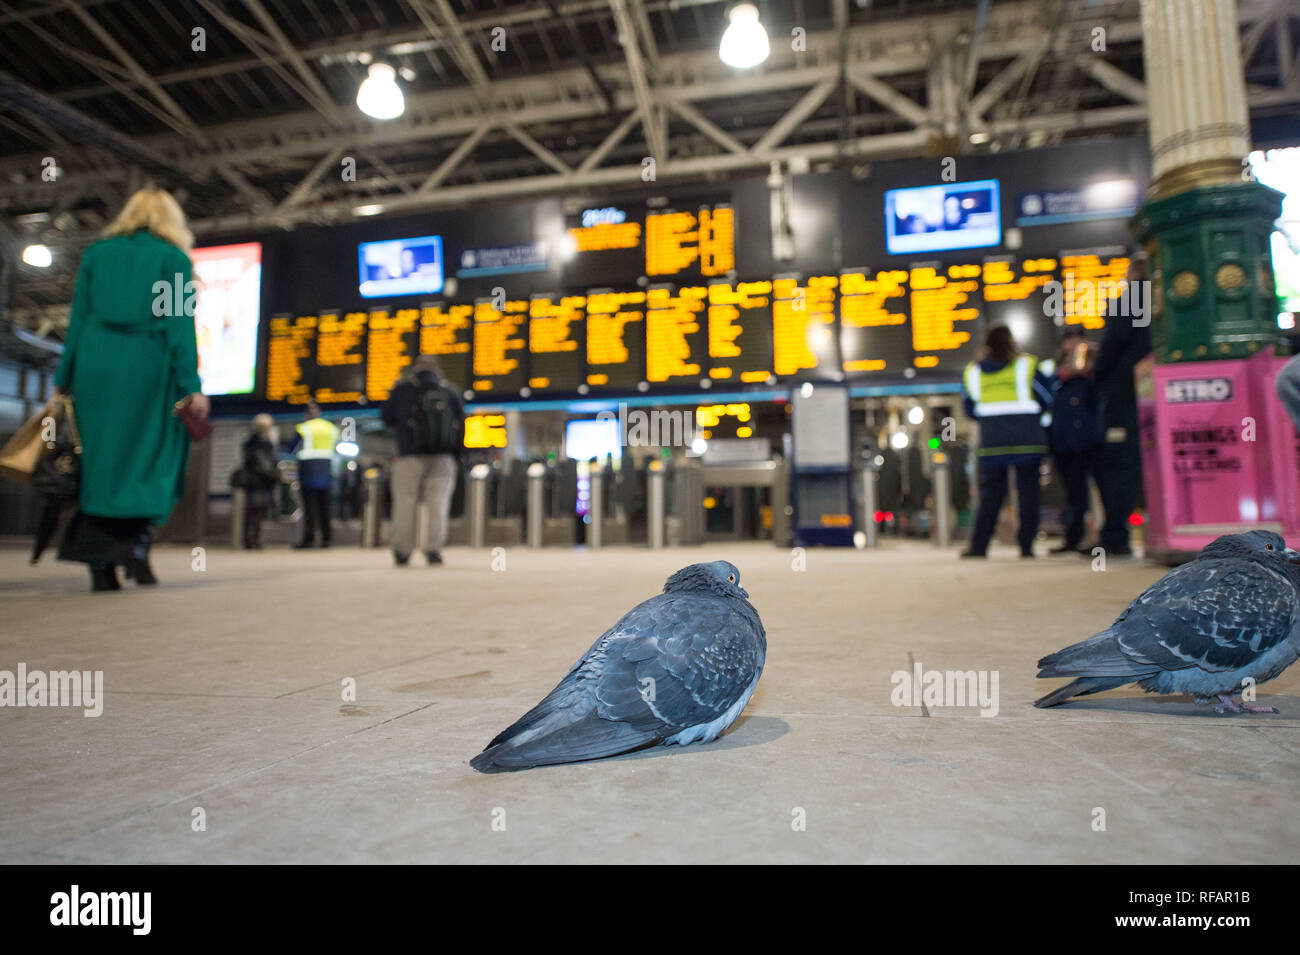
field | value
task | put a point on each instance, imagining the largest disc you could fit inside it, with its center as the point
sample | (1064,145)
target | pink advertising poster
(1282,443)
(1206,468)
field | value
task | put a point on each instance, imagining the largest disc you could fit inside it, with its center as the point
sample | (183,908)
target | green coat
(126,367)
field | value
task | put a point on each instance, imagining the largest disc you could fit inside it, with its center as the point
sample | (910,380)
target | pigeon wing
(695,651)
(1214,615)
(683,661)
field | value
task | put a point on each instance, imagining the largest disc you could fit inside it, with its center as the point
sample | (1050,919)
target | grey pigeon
(1203,628)
(677,668)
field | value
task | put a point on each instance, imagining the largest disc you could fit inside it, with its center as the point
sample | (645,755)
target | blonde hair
(158,211)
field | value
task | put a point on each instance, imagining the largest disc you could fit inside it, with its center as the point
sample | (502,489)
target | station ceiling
(251,119)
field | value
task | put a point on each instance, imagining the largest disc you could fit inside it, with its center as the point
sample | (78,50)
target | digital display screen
(590,438)
(927,317)
(874,333)
(1280,169)
(400,267)
(226,316)
(953,215)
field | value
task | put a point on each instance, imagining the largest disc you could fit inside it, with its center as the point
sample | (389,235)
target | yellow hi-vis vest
(318,439)
(1009,390)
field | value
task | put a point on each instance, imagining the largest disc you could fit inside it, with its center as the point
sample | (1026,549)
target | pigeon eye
(732,577)
(1268,546)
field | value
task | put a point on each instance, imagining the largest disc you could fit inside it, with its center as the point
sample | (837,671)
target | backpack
(435,421)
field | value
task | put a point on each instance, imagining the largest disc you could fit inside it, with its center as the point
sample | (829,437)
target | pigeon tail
(1099,656)
(1080,687)
(591,737)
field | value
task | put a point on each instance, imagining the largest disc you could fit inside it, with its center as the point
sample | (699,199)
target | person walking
(260,476)
(1075,433)
(427,416)
(1007,394)
(1125,342)
(129,358)
(314,448)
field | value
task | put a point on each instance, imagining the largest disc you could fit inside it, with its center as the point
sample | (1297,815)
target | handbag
(199,428)
(21,452)
(58,470)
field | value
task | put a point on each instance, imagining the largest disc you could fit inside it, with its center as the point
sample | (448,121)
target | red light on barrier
(1136,519)
(880,516)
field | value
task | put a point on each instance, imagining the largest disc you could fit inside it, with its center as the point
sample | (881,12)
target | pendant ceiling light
(744,43)
(379,95)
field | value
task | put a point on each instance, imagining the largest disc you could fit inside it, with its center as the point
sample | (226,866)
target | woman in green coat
(129,357)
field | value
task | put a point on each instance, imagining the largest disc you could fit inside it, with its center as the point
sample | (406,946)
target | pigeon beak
(1292,555)
(745,593)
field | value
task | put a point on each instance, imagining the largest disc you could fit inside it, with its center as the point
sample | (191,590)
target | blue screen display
(953,215)
(400,267)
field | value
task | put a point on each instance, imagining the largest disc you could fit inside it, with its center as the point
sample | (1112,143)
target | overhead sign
(1109,199)
(503,260)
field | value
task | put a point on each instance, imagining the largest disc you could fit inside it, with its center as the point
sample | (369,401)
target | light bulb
(744,42)
(38,256)
(379,95)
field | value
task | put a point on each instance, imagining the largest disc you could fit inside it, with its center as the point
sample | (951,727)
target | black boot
(103,577)
(137,565)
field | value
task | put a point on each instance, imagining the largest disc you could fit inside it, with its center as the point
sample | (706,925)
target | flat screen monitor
(226,316)
(952,215)
(1280,170)
(590,438)
(400,267)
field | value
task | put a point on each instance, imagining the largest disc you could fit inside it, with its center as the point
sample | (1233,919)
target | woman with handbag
(130,363)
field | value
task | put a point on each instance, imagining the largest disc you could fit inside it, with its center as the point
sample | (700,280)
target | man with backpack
(427,416)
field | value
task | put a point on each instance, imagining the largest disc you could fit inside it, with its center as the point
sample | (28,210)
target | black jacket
(396,411)
(260,468)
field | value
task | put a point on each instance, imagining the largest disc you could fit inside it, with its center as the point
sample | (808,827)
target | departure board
(291,358)
(740,332)
(447,333)
(500,346)
(928,318)
(392,342)
(945,312)
(702,242)
(340,356)
(615,338)
(1089,280)
(874,334)
(556,339)
(803,327)
(1014,296)
(676,339)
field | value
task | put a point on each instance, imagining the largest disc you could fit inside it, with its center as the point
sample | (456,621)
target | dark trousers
(1075,467)
(253,518)
(993,491)
(315,511)
(1119,478)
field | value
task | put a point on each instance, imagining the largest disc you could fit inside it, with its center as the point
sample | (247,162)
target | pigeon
(678,668)
(1230,615)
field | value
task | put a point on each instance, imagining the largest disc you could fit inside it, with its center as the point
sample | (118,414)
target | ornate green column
(1206,224)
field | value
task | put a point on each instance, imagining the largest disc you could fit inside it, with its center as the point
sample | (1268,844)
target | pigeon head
(1262,546)
(717,577)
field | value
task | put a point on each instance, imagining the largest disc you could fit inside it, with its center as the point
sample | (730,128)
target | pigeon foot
(1229,704)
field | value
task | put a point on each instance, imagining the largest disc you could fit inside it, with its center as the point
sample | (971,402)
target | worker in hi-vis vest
(317,439)
(1007,394)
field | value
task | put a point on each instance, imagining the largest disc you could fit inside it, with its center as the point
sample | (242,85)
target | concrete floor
(224,693)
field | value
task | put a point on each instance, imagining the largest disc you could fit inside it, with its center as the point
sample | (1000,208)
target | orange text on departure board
(292,342)
(803,317)
(676,240)
(670,319)
(942,309)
